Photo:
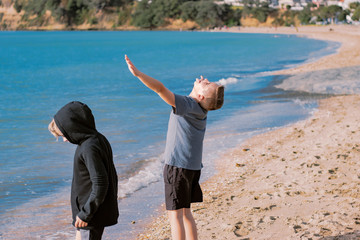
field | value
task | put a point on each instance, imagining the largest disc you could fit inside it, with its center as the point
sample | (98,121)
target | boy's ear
(200,97)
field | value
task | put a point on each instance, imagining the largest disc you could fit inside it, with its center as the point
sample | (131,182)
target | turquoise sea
(42,71)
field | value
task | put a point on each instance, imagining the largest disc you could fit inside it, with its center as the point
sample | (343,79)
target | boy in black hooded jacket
(94,185)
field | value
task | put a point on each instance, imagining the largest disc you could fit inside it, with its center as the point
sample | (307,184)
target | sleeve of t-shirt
(184,105)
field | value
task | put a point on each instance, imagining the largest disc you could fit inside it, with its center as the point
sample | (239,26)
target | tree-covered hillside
(159,14)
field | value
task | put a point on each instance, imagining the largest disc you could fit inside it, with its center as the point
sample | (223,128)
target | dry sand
(297,182)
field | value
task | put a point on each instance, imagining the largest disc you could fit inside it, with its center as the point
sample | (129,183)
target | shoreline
(296,182)
(347,55)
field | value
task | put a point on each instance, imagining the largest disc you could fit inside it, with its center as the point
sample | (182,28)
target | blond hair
(215,101)
(54,130)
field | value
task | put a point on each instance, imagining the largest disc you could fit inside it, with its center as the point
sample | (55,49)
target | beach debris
(246,149)
(297,228)
(239,231)
(195,210)
(342,155)
(133,222)
(240,165)
(236,234)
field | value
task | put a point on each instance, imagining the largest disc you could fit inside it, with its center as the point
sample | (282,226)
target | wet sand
(298,182)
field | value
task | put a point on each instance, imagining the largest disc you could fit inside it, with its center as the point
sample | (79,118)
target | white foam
(227,81)
(332,81)
(150,174)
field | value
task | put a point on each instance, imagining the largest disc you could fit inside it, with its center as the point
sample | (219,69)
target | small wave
(227,81)
(332,81)
(150,174)
(304,103)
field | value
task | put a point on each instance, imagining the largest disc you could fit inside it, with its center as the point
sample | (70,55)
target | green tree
(334,11)
(278,21)
(143,16)
(354,5)
(343,14)
(231,16)
(305,15)
(209,14)
(149,14)
(74,11)
(118,3)
(37,7)
(356,15)
(289,17)
(248,6)
(261,12)
(124,14)
(164,9)
(19,4)
(188,11)
(323,14)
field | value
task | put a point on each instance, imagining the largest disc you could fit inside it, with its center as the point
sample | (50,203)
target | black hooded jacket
(94,186)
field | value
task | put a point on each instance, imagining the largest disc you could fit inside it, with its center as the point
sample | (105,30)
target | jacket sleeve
(99,181)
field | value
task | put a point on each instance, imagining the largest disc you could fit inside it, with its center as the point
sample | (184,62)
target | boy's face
(204,87)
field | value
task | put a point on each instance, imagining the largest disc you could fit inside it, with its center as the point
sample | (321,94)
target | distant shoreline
(293,182)
(347,35)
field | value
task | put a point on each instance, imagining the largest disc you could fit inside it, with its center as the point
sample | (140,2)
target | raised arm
(152,83)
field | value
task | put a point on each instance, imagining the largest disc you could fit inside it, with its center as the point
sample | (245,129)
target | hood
(76,122)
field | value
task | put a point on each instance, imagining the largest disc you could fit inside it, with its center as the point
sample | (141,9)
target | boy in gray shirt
(184,144)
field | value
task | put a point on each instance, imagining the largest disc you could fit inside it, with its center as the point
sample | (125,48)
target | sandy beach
(297,182)
(348,54)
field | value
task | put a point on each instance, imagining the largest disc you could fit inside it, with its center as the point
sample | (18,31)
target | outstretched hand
(131,67)
(152,83)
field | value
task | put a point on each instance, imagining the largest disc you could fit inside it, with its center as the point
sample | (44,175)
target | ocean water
(42,71)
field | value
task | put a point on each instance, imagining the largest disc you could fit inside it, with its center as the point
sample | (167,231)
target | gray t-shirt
(186,130)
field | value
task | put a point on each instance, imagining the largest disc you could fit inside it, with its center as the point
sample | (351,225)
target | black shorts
(181,187)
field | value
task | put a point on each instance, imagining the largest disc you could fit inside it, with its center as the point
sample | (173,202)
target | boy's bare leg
(177,224)
(189,225)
